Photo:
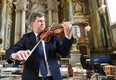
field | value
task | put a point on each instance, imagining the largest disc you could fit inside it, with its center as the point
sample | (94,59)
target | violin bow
(23,61)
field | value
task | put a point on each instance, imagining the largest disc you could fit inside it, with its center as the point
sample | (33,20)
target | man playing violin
(42,63)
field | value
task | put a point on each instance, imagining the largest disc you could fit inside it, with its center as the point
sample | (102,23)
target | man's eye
(38,21)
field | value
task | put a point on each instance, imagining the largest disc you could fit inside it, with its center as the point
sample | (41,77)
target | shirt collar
(35,34)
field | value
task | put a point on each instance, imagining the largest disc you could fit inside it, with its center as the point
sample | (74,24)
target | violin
(51,31)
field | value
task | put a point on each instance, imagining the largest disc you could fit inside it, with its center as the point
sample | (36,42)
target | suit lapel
(33,39)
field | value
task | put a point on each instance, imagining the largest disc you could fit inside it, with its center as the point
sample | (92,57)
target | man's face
(39,24)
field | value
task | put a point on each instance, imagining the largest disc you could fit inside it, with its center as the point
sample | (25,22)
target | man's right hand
(21,55)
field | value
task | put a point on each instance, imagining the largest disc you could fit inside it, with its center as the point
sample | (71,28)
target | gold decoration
(8,4)
(74,46)
(78,9)
(82,40)
(4,1)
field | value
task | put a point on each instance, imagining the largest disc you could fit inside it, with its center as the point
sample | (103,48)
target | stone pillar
(49,17)
(17,25)
(23,16)
(20,18)
(55,12)
(55,18)
(50,8)
(23,23)
(70,15)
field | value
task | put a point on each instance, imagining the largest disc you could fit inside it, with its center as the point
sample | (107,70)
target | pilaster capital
(21,4)
(17,10)
(52,4)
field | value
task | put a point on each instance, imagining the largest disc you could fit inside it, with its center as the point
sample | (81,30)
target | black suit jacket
(31,66)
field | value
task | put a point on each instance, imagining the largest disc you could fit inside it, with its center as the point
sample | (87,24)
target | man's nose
(42,22)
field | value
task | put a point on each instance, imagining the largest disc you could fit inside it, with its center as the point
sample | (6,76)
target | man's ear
(32,23)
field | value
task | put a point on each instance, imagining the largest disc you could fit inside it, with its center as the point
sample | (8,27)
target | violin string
(57,27)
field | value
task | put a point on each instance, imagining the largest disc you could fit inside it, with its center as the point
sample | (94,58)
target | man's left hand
(67,28)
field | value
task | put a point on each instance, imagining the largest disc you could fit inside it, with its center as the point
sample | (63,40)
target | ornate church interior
(93,53)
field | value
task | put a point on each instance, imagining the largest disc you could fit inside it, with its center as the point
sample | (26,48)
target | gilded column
(107,32)
(96,25)
(106,36)
(2,20)
(6,34)
(6,22)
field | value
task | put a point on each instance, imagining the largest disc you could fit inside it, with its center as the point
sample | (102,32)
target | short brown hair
(34,15)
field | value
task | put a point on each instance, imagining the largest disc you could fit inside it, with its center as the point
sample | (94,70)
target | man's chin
(42,30)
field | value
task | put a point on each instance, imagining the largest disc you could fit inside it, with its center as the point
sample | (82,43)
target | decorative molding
(9,22)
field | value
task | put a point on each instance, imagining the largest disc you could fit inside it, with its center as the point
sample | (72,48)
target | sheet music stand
(99,69)
(83,62)
(113,58)
(91,66)
(86,64)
